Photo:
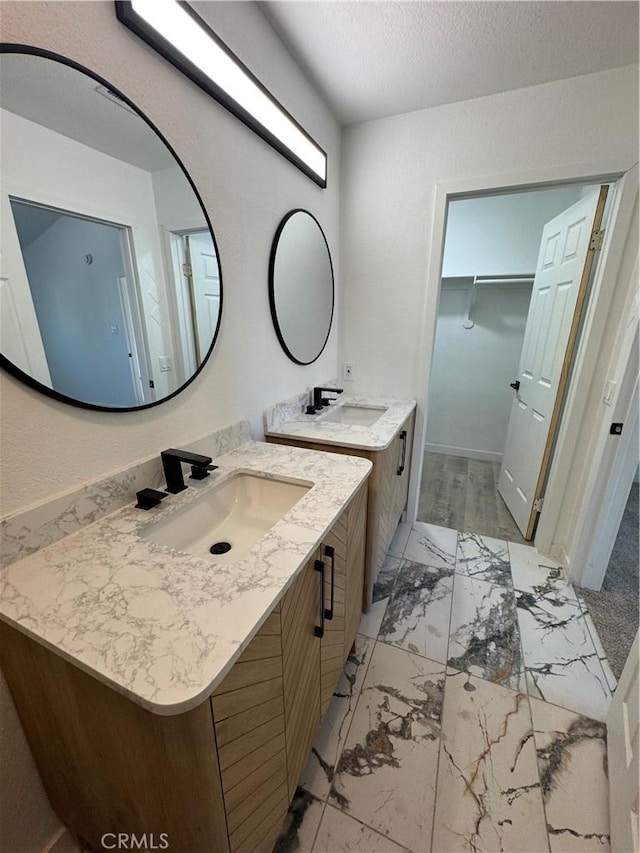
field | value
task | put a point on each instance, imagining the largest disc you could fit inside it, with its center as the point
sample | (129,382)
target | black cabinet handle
(515,385)
(403,439)
(319,630)
(330,551)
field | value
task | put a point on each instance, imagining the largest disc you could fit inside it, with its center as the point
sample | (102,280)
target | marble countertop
(160,626)
(377,436)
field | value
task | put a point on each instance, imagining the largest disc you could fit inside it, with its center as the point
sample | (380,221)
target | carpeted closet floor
(614,609)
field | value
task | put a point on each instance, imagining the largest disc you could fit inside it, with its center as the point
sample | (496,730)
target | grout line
(362,823)
(444,696)
(535,750)
(529,697)
(315,834)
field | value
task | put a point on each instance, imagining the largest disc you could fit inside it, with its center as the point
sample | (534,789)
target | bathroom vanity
(174,694)
(379,429)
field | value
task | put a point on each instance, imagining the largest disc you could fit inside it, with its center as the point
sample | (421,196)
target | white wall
(43,166)
(246,187)
(500,234)
(390,171)
(176,206)
(48,447)
(469,395)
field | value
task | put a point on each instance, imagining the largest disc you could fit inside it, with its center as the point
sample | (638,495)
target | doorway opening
(81,277)
(196,276)
(499,249)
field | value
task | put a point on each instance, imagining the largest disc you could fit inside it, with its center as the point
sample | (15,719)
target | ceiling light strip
(174,30)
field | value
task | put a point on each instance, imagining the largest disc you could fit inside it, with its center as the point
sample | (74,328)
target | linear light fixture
(181,36)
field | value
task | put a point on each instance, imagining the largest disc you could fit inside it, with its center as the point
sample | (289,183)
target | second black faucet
(318,400)
(172,460)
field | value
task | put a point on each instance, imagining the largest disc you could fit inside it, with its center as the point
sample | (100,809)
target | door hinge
(537,504)
(186,270)
(597,239)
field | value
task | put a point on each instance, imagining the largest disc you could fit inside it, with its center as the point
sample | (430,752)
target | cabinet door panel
(248,711)
(355,572)
(332,646)
(300,614)
(402,480)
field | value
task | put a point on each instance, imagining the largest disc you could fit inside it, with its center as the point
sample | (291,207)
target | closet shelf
(490,279)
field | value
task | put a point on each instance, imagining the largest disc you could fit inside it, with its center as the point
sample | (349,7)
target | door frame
(609,482)
(625,189)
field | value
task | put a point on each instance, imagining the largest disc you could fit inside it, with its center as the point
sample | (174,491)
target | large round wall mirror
(301,289)
(110,285)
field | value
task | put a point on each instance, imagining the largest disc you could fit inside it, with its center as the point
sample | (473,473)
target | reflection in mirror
(301,289)
(110,286)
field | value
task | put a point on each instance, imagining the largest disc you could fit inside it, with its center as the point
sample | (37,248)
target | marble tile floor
(470,716)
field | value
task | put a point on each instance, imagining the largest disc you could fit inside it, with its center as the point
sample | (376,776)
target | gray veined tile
(383,587)
(387,771)
(484,638)
(483,558)
(417,616)
(339,833)
(399,541)
(432,545)
(612,681)
(372,620)
(533,572)
(561,661)
(318,773)
(300,825)
(572,761)
(488,785)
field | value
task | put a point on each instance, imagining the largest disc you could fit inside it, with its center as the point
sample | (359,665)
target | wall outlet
(348,371)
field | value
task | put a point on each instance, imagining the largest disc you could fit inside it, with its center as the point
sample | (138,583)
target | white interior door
(206,288)
(559,290)
(623,731)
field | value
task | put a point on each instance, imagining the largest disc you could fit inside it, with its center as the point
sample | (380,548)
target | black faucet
(172,460)
(318,400)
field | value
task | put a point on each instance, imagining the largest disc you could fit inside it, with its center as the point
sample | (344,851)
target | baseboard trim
(466,452)
(61,842)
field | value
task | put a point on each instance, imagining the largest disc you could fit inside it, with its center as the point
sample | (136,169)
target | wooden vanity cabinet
(388,489)
(217,778)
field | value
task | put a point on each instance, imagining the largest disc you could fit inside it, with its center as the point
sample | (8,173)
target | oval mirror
(110,284)
(301,289)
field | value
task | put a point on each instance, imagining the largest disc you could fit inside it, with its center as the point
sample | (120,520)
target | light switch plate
(609,392)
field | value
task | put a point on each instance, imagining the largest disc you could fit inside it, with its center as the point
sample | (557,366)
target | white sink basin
(355,415)
(238,513)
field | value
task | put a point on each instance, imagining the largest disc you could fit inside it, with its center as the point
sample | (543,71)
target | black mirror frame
(272,299)
(7,47)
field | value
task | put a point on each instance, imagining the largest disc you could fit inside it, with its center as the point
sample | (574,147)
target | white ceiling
(375,59)
(66,101)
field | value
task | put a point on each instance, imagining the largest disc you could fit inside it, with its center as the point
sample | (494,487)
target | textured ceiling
(374,59)
(66,101)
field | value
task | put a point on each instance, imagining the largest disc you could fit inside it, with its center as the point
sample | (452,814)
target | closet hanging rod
(502,279)
(467,323)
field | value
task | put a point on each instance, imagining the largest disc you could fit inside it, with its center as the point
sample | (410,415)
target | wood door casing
(300,614)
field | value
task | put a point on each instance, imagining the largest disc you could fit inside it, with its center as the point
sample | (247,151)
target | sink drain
(220,548)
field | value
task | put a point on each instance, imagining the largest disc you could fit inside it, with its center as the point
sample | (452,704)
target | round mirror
(301,286)
(110,284)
